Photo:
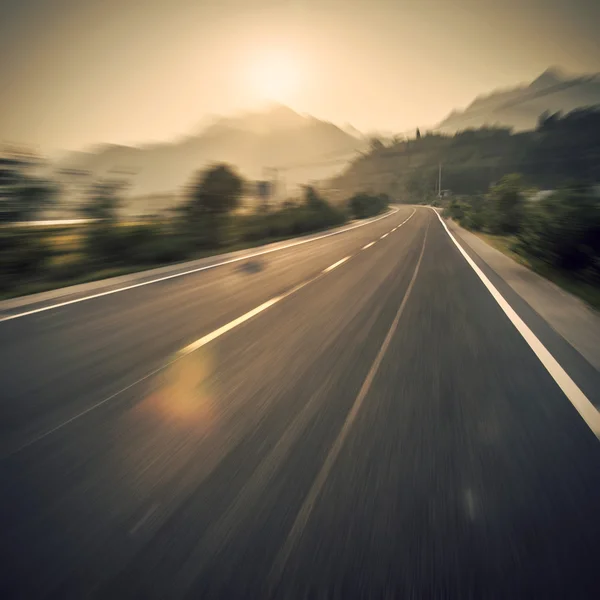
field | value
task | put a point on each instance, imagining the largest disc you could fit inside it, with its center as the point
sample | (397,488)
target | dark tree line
(560,230)
(562,148)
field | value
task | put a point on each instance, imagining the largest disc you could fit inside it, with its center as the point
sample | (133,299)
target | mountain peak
(278,108)
(519,107)
(267,118)
(551,76)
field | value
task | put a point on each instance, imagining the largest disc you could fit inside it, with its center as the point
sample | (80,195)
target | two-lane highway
(352,417)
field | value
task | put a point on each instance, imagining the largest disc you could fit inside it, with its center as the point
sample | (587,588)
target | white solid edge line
(578,399)
(368,245)
(197,270)
(336,264)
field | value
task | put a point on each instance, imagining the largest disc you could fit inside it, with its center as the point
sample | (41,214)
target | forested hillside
(560,149)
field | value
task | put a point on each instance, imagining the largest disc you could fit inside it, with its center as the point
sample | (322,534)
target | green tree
(563,230)
(363,205)
(103,201)
(104,240)
(216,191)
(312,199)
(23,196)
(213,195)
(319,213)
(506,205)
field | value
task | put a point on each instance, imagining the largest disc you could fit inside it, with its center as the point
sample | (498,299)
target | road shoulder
(570,317)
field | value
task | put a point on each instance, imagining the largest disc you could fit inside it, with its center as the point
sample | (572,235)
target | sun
(274,76)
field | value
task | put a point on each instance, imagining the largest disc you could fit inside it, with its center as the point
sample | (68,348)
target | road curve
(352,417)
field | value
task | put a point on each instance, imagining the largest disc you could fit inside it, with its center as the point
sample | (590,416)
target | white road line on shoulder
(196,270)
(368,245)
(383,236)
(309,502)
(336,264)
(578,399)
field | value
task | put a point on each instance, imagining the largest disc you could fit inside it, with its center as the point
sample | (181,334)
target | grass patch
(504,243)
(587,292)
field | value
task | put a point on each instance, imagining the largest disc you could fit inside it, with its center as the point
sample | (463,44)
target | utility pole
(265,189)
(439,180)
(283,187)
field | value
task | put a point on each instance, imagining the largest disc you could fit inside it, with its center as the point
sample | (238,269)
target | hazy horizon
(81,73)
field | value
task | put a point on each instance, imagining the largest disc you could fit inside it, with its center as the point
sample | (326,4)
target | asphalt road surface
(277,428)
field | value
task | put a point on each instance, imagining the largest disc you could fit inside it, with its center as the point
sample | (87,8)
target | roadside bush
(21,256)
(506,206)
(364,205)
(105,244)
(318,213)
(454,210)
(65,267)
(563,230)
(290,221)
(153,243)
(501,211)
(475,213)
(324,216)
(205,231)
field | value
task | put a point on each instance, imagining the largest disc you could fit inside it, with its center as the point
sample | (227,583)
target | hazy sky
(75,72)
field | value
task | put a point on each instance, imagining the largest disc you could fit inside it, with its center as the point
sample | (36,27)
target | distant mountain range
(520,107)
(302,147)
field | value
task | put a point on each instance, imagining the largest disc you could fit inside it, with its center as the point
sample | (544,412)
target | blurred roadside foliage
(557,233)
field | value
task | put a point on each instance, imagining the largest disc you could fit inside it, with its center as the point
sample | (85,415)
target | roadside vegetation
(533,194)
(557,235)
(207,222)
(364,205)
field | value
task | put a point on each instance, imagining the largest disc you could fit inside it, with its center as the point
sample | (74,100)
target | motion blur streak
(307,506)
(421,453)
(190,347)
